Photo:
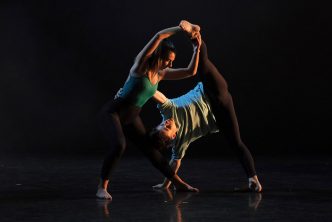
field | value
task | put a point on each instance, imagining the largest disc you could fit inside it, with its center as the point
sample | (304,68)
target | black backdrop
(61,60)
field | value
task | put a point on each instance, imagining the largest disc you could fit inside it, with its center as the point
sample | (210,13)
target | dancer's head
(162,57)
(164,134)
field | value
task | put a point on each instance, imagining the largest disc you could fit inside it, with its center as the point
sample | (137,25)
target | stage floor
(58,188)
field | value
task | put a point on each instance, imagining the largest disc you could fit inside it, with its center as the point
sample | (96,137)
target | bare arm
(159,97)
(191,70)
(175,165)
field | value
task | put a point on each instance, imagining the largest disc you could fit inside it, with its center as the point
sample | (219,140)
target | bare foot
(254,185)
(191,29)
(103,194)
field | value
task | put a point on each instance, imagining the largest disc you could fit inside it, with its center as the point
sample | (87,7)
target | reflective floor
(62,189)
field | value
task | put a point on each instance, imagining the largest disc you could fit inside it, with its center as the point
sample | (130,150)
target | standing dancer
(119,118)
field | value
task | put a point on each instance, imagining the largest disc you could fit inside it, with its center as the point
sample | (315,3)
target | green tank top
(138,90)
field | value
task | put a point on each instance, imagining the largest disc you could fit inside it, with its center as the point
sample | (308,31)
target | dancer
(119,118)
(203,110)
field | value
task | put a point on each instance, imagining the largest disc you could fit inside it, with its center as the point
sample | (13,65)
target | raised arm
(159,97)
(191,70)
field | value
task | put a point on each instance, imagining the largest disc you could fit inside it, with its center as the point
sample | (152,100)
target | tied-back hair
(160,53)
(157,141)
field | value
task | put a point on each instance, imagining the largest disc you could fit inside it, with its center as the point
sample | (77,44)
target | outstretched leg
(222,106)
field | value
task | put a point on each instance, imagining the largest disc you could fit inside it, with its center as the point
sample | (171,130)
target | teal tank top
(138,90)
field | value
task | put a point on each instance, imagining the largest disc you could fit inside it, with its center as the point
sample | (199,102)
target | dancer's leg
(112,131)
(222,105)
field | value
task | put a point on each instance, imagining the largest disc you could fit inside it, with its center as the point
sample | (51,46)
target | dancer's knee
(116,146)
(237,144)
(119,149)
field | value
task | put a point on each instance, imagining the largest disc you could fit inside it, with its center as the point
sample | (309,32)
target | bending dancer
(203,110)
(119,118)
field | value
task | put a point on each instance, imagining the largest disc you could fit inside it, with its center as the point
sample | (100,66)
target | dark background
(60,61)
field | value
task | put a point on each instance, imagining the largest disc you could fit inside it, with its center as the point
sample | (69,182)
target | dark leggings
(222,106)
(119,120)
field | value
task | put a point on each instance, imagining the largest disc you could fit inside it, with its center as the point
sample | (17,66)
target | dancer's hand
(184,187)
(197,41)
(180,185)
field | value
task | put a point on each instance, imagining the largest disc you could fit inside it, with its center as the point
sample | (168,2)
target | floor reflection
(104,206)
(176,200)
(49,191)
(254,200)
(179,206)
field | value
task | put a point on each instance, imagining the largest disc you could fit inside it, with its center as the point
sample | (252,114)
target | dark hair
(161,52)
(157,141)
(164,48)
